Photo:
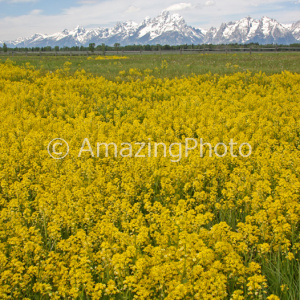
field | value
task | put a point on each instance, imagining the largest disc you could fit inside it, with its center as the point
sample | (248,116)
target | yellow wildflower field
(108,226)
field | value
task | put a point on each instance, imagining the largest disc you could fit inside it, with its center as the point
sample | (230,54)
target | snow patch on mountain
(295,29)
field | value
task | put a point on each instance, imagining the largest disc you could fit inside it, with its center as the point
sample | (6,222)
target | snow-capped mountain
(169,29)
(166,28)
(249,30)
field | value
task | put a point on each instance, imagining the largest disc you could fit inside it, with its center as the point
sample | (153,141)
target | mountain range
(169,29)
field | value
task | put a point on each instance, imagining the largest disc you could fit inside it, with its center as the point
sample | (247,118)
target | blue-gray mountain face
(170,29)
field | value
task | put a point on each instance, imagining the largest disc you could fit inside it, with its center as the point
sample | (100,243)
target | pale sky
(22,18)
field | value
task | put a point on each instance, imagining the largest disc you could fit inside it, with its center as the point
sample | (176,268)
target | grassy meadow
(178,65)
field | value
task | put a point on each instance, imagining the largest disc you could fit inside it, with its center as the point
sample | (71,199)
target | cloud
(179,6)
(87,1)
(132,9)
(36,12)
(209,3)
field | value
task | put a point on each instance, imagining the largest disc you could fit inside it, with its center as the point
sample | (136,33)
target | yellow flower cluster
(148,228)
(109,57)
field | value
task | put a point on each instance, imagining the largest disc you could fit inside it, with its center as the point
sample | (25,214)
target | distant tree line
(117,47)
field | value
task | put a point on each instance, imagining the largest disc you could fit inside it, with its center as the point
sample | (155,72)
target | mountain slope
(249,30)
(172,30)
(295,29)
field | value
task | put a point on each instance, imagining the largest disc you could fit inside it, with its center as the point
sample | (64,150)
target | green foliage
(4,47)
(92,47)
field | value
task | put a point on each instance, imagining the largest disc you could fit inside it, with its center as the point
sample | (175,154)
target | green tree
(117,45)
(103,48)
(92,47)
(5,47)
